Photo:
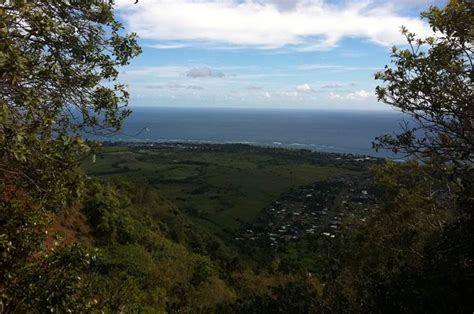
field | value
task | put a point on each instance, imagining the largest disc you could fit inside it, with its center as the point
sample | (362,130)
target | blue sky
(310,54)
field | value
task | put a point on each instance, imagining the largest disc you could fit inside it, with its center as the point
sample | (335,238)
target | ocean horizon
(349,132)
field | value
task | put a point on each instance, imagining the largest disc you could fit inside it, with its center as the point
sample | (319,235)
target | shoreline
(204,143)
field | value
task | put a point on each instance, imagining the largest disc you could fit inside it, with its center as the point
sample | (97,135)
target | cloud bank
(304,25)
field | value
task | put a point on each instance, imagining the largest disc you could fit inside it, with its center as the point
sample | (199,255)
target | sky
(312,54)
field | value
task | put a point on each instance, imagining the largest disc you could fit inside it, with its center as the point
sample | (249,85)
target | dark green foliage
(54,59)
(442,283)
(37,271)
(126,220)
(410,250)
(299,296)
(220,186)
(52,281)
(384,262)
(432,83)
(412,254)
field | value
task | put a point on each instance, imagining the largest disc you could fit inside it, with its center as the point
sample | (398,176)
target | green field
(220,186)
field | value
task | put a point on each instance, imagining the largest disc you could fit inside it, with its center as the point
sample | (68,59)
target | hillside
(92,220)
(222,186)
(158,215)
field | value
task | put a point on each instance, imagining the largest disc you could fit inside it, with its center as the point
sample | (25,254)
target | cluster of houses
(324,208)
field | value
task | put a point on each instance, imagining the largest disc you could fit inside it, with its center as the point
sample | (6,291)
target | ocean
(327,131)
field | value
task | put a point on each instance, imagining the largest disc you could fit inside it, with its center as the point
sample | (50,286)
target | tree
(432,84)
(58,79)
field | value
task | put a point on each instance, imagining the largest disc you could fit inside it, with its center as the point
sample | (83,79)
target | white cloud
(318,66)
(168,46)
(287,93)
(304,88)
(202,72)
(401,4)
(172,71)
(253,88)
(360,95)
(335,67)
(174,86)
(156,71)
(332,85)
(302,25)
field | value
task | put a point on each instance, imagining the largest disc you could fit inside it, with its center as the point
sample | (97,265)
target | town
(324,208)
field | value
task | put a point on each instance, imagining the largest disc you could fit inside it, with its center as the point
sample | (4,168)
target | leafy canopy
(432,83)
(58,78)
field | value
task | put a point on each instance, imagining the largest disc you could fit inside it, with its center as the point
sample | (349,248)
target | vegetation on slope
(127,248)
(221,186)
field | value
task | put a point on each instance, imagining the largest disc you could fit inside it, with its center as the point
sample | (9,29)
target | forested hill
(90,227)
(163,220)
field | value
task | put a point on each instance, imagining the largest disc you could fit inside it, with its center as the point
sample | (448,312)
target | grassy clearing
(219,187)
